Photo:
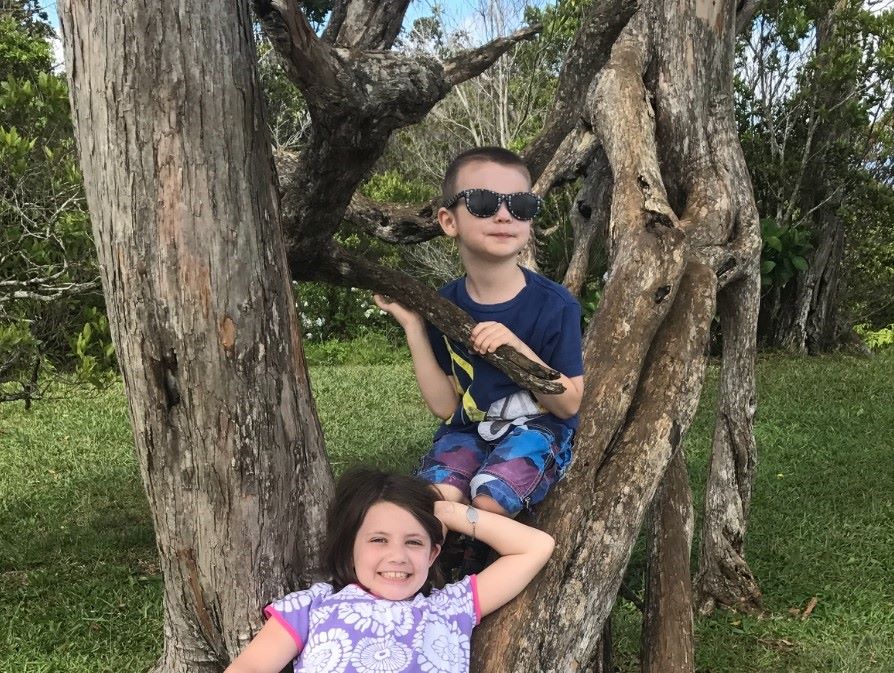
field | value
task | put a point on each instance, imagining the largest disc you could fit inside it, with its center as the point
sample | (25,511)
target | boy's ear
(447,220)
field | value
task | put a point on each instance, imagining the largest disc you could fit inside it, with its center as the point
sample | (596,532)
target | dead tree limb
(341,267)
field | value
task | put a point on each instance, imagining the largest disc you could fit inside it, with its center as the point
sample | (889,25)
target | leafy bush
(876,339)
(332,312)
(784,253)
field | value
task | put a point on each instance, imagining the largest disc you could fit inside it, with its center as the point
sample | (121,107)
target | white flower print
(298,600)
(453,599)
(294,602)
(381,655)
(442,647)
(377,618)
(327,652)
(320,614)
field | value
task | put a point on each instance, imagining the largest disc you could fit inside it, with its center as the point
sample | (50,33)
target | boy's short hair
(499,155)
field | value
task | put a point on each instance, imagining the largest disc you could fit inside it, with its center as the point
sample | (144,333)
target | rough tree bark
(662,108)
(179,181)
(723,574)
(654,92)
(667,620)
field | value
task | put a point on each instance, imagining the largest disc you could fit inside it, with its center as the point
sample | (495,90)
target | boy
(499,447)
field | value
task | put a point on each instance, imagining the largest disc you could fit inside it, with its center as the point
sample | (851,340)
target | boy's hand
(405,317)
(488,336)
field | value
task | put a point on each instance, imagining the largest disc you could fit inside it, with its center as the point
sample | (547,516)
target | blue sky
(457,13)
(454,8)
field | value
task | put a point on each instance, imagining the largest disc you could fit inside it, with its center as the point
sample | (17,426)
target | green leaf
(774,242)
(799,263)
(767,266)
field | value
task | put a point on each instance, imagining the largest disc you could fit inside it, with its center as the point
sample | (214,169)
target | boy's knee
(451,493)
(495,495)
(488,504)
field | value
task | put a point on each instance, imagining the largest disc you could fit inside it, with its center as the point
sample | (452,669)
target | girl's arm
(436,387)
(268,652)
(523,551)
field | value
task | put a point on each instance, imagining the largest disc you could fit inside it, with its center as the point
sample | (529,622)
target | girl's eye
(377,539)
(417,543)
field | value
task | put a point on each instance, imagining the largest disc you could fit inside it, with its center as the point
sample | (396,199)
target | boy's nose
(503,213)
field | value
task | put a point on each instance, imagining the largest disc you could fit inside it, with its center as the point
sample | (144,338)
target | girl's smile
(392,552)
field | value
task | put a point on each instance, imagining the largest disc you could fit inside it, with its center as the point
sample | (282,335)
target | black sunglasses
(485,203)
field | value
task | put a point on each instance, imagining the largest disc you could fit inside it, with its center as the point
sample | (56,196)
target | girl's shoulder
(455,598)
(301,599)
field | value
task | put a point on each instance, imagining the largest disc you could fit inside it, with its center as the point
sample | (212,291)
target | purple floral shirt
(353,631)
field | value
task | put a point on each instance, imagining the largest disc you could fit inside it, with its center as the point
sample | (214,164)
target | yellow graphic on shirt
(470,407)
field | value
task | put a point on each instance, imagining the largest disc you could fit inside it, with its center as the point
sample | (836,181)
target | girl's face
(392,552)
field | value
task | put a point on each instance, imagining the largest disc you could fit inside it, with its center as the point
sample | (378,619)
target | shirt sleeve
(458,602)
(439,348)
(293,611)
(564,345)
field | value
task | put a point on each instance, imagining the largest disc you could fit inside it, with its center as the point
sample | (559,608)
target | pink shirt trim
(473,582)
(271,612)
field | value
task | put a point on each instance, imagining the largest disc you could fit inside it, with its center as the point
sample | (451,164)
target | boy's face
(499,237)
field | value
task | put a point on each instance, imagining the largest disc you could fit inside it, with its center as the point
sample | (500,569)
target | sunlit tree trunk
(179,181)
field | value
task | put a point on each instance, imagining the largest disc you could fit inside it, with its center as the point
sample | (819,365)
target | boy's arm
(436,387)
(523,551)
(488,336)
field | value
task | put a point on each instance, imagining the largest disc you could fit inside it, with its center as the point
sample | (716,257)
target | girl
(384,610)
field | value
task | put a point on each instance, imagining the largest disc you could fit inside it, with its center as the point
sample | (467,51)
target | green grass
(79,583)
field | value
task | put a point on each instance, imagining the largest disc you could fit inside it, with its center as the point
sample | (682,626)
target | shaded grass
(79,581)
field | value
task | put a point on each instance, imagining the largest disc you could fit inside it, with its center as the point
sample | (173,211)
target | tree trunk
(667,622)
(662,109)
(183,199)
(803,316)
(179,181)
(595,514)
(724,576)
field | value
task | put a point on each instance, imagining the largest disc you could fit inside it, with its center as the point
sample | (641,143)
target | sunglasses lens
(482,202)
(524,206)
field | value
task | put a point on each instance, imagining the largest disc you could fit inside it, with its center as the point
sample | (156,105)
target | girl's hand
(488,336)
(405,317)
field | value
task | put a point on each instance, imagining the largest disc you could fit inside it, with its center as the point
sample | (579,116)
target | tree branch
(586,56)
(472,62)
(569,161)
(745,12)
(340,267)
(370,24)
(395,223)
(310,63)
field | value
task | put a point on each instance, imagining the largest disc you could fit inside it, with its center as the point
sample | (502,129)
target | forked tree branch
(470,63)
(589,51)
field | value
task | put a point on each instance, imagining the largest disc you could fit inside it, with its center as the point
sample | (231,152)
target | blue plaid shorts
(517,470)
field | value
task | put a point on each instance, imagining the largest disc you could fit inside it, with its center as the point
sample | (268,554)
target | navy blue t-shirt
(544,315)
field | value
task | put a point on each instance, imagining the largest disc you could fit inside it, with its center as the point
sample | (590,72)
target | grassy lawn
(79,584)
